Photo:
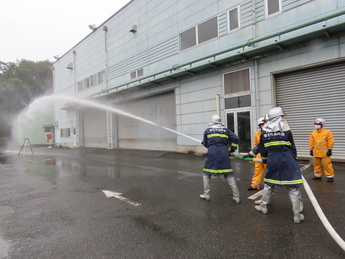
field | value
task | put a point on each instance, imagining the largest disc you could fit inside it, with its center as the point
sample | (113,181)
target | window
(188,38)
(273,7)
(133,74)
(137,73)
(237,102)
(234,19)
(93,80)
(208,30)
(101,77)
(87,82)
(200,33)
(140,72)
(80,86)
(237,89)
(237,82)
(65,133)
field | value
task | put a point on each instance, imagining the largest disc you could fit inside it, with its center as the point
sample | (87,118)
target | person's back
(278,150)
(217,161)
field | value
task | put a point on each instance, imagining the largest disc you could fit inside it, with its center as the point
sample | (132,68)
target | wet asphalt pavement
(53,205)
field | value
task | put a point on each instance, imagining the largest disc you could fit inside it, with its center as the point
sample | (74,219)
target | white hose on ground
(316,205)
(322,216)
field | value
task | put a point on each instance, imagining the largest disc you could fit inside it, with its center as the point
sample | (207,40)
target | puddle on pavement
(54,169)
(3,160)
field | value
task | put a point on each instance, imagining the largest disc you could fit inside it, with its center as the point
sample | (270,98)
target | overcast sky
(40,29)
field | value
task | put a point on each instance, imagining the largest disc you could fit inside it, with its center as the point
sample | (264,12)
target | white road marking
(117,195)
(255,195)
(305,167)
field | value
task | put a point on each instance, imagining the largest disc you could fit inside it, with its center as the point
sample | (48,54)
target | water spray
(104,107)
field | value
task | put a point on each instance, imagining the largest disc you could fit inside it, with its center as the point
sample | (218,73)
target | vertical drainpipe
(256,71)
(257,99)
(74,72)
(109,115)
(105,29)
(218,103)
(74,130)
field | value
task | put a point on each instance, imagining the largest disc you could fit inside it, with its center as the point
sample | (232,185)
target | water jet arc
(111,109)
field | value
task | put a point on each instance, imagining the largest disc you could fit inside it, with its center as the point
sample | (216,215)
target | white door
(239,123)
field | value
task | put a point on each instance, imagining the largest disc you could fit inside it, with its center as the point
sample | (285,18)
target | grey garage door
(94,127)
(136,134)
(312,93)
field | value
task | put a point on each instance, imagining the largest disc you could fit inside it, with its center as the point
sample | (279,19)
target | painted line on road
(117,195)
(255,195)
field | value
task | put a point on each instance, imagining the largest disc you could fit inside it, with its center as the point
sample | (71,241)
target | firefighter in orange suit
(321,143)
(259,168)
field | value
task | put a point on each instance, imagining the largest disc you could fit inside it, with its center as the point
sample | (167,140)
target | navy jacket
(282,165)
(217,159)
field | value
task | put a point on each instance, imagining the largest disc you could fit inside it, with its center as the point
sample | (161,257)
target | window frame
(276,13)
(240,93)
(238,19)
(101,77)
(65,132)
(196,40)
(196,29)
(136,73)
(204,22)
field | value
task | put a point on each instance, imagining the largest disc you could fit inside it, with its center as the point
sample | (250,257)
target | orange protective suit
(320,141)
(259,168)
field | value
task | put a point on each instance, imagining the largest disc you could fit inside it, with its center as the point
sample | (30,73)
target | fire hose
(313,200)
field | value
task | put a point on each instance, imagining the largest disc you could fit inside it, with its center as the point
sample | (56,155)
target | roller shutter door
(312,93)
(136,134)
(94,128)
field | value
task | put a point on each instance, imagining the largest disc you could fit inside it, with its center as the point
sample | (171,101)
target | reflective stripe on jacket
(320,141)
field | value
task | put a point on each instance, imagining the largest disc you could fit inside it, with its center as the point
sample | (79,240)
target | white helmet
(261,121)
(215,118)
(320,120)
(274,112)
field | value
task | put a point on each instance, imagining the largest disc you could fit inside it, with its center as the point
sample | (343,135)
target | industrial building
(176,63)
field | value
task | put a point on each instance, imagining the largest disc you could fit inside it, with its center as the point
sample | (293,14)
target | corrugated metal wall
(308,94)
(94,125)
(137,134)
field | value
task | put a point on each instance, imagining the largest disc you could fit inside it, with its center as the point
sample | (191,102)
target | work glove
(311,153)
(232,150)
(329,152)
(248,156)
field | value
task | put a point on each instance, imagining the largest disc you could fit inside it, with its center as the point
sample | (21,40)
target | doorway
(239,123)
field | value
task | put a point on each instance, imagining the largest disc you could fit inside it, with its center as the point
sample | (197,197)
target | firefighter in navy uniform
(217,139)
(278,150)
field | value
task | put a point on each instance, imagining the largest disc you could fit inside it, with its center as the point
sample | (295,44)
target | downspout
(256,71)
(75,132)
(74,72)
(218,103)
(257,98)
(105,29)
(109,115)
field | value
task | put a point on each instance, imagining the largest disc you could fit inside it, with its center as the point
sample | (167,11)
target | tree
(20,84)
